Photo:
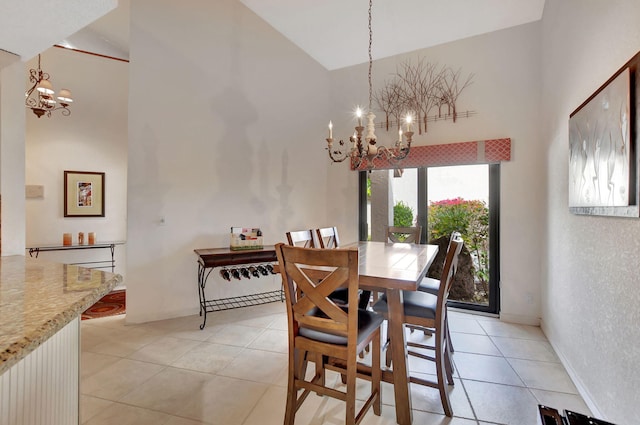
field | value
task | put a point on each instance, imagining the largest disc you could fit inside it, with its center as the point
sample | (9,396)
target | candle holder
(359,153)
(339,155)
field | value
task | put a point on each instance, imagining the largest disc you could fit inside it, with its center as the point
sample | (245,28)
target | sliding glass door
(463,198)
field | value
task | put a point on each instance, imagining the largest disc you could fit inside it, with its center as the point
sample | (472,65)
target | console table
(210,258)
(91,264)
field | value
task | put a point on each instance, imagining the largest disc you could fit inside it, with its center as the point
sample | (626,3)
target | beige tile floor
(234,373)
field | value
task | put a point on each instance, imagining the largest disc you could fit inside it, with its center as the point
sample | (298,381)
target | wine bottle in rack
(235,273)
(225,274)
(270,268)
(263,270)
(254,271)
(245,273)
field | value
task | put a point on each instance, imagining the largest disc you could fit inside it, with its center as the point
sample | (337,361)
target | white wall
(92,138)
(225,129)
(12,158)
(591,290)
(505,95)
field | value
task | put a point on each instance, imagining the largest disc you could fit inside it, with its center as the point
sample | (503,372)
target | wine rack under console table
(224,258)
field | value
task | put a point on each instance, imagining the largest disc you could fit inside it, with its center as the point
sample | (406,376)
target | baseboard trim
(575,378)
(473,312)
(132,319)
(520,319)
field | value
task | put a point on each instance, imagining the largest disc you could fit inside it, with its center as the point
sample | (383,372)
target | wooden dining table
(393,268)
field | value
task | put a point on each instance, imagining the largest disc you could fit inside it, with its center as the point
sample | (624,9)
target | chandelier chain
(370,57)
(364,149)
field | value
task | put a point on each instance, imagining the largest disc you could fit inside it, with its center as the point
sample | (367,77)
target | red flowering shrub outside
(471,219)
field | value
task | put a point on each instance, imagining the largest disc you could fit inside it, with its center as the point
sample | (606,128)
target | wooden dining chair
(319,329)
(309,239)
(304,238)
(431,286)
(398,234)
(328,237)
(429,311)
(404,234)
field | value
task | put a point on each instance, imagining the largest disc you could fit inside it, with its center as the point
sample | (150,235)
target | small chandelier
(366,153)
(39,98)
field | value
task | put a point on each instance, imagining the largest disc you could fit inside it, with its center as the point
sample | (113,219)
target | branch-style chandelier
(40,99)
(360,152)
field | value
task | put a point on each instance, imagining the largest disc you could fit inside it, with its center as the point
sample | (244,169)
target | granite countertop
(38,298)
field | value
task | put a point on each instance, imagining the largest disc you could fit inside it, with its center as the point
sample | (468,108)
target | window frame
(494,230)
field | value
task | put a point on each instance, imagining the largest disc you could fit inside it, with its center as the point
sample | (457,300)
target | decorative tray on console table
(243,238)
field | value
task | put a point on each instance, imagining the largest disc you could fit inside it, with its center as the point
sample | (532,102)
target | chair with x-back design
(304,238)
(426,310)
(404,234)
(320,330)
(328,237)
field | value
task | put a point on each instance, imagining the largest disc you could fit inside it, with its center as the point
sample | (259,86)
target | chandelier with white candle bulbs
(364,150)
(40,99)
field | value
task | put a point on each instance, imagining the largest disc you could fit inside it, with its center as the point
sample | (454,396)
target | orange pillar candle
(92,238)
(66,239)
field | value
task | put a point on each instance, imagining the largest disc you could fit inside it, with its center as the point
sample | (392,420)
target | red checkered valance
(464,153)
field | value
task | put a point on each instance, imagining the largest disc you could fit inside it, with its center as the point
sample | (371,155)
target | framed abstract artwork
(603,160)
(83,194)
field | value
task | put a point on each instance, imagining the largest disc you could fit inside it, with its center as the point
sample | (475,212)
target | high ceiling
(28,27)
(333,32)
(108,35)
